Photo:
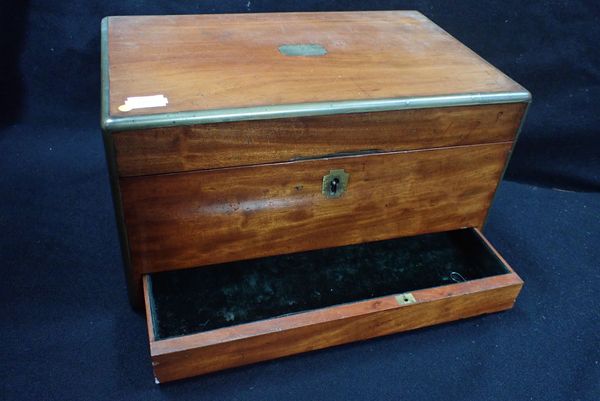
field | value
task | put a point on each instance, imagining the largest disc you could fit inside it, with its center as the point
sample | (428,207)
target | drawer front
(174,149)
(398,295)
(200,218)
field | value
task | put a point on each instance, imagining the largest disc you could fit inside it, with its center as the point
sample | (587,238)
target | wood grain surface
(192,219)
(201,353)
(186,148)
(202,62)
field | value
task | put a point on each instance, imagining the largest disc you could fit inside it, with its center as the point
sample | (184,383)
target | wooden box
(289,182)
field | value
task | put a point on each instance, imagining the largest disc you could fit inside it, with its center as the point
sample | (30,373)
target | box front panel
(200,218)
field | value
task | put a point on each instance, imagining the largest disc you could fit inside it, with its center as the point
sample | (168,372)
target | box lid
(161,71)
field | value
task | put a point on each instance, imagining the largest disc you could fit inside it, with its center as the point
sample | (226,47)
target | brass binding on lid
(304,50)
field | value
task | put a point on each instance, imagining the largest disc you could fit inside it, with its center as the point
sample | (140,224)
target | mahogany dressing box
(289,182)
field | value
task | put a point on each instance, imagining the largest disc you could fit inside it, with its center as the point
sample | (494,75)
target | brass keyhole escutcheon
(335,183)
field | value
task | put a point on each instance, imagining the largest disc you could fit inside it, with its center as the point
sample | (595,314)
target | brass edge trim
(134,288)
(291,110)
(510,155)
(104,77)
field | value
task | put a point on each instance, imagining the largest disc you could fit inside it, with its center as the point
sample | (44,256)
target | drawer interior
(191,301)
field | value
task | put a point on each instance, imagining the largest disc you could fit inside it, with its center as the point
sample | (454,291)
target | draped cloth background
(66,327)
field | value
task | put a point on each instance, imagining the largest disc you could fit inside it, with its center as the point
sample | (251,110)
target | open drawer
(221,316)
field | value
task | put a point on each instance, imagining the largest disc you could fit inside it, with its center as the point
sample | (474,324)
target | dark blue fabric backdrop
(66,329)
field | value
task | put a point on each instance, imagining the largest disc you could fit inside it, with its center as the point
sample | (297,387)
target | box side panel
(521,122)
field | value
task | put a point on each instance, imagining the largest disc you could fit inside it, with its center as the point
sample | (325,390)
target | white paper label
(143,102)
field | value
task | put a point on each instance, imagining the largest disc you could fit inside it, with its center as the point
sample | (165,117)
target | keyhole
(334,185)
